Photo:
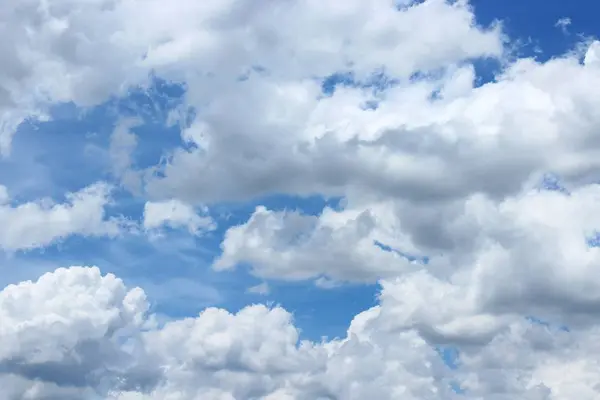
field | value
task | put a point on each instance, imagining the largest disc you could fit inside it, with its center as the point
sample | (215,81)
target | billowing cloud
(528,254)
(288,245)
(75,332)
(69,334)
(491,139)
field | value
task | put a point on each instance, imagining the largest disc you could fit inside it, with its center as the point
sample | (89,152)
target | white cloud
(42,223)
(563,24)
(76,333)
(419,173)
(69,334)
(123,143)
(175,214)
(292,246)
(262,289)
(592,55)
(485,139)
(525,255)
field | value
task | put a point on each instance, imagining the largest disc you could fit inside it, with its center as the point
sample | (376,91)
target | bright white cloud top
(446,203)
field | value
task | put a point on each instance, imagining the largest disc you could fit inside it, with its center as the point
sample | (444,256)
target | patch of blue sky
(450,355)
(594,240)
(325,312)
(157,98)
(378,81)
(551,182)
(541,29)
(317,312)
(54,157)
(547,324)
(534,23)
(70,151)
(157,266)
(486,70)
(420,259)
(237,213)
(455,386)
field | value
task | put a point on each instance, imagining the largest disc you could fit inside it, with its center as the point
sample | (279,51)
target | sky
(235,199)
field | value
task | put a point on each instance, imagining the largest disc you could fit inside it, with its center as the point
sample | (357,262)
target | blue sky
(534,22)
(64,154)
(407,219)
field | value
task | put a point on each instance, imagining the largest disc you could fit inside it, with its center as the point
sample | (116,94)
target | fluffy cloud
(175,214)
(75,333)
(465,140)
(44,222)
(287,245)
(70,334)
(529,254)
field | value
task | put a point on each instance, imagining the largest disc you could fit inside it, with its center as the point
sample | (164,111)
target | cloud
(262,289)
(288,245)
(75,332)
(563,24)
(486,139)
(175,214)
(526,255)
(417,188)
(123,143)
(70,333)
(42,223)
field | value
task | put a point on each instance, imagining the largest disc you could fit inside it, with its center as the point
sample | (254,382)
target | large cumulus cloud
(75,333)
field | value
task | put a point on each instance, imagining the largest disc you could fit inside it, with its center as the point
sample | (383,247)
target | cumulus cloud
(70,334)
(475,139)
(76,333)
(528,254)
(42,223)
(289,245)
